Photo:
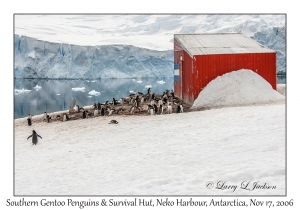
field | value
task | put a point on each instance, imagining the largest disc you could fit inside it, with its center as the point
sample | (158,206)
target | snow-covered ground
(177,154)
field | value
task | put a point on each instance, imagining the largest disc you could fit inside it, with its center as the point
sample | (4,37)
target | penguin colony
(135,103)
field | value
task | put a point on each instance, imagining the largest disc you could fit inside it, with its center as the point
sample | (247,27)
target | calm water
(56,95)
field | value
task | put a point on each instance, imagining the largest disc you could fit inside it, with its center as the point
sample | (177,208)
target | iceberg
(18,91)
(94,93)
(82,89)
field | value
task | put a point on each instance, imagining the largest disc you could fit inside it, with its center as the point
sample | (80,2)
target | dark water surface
(56,95)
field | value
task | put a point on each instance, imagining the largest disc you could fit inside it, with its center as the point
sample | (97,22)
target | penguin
(45,116)
(155,109)
(150,109)
(115,102)
(29,120)
(96,113)
(48,118)
(181,108)
(169,108)
(149,91)
(77,108)
(161,109)
(102,112)
(34,136)
(65,117)
(113,122)
(84,114)
(131,109)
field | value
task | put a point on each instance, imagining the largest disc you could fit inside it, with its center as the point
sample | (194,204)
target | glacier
(42,59)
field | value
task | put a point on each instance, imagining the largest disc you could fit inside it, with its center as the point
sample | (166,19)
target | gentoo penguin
(181,108)
(29,120)
(84,114)
(155,109)
(77,108)
(160,109)
(65,117)
(96,113)
(113,122)
(34,136)
(150,109)
(45,116)
(102,112)
(169,108)
(48,118)
(149,91)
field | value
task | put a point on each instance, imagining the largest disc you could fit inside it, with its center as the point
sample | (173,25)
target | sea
(36,96)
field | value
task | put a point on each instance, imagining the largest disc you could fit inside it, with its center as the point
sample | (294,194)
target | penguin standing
(150,109)
(160,109)
(169,108)
(65,117)
(84,115)
(29,120)
(102,112)
(48,118)
(155,109)
(181,108)
(34,136)
(96,113)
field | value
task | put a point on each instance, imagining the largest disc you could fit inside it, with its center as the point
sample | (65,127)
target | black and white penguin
(150,109)
(77,108)
(65,117)
(96,112)
(160,109)
(34,136)
(102,111)
(155,109)
(48,118)
(84,114)
(113,122)
(169,108)
(29,120)
(149,91)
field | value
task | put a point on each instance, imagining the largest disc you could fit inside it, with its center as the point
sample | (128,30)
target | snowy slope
(72,49)
(146,155)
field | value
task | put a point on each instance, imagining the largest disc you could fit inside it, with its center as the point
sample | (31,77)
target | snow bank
(242,87)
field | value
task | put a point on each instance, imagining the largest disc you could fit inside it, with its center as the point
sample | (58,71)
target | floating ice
(148,86)
(37,88)
(82,89)
(94,93)
(139,81)
(89,96)
(161,82)
(57,94)
(17,91)
(131,91)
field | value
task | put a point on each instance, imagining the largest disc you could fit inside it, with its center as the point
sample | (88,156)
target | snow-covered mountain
(124,46)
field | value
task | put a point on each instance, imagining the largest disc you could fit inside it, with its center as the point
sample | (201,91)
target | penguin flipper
(29,137)
(39,136)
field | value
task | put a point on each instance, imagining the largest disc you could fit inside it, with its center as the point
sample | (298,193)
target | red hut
(200,58)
